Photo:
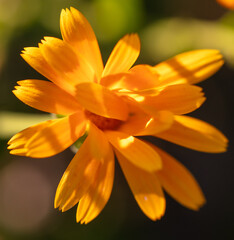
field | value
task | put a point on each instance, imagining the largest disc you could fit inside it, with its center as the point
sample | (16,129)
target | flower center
(103,123)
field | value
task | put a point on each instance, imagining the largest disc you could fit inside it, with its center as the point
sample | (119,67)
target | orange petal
(179,182)
(123,56)
(49,138)
(99,193)
(67,63)
(35,59)
(137,78)
(101,101)
(77,31)
(83,170)
(227,3)
(190,67)
(179,99)
(145,188)
(142,124)
(46,96)
(195,134)
(135,150)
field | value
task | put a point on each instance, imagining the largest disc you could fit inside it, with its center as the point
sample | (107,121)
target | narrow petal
(138,77)
(33,56)
(195,134)
(77,31)
(67,63)
(49,138)
(142,124)
(179,182)
(178,99)
(101,101)
(135,150)
(46,96)
(99,193)
(123,56)
(83,170)
(145,188)
(190,67)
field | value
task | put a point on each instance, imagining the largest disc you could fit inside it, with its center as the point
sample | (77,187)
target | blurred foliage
(166,28)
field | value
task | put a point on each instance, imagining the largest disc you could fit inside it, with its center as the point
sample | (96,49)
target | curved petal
(142,124)
(101,101)
(50,137)
(145,188)
(46,96)
(179,182)
(138,77)
(67,63)
(99,193)
(33,56)
(77,31)
(83,171)
(189,67)
(178,99)
(195,134)
(123,56)
(136,151)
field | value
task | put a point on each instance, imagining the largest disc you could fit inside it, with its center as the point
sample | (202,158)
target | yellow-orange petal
(226,3)
(138,77)
(83,170)
(136,151)
(67,63)
(142,124)
(179,99)
(195,134)
(101,101)
(189,67)
(33,56)
(145,188)
(77,31)
(99,192)
(51,137)
(123,56)
(46,96)
(179,182)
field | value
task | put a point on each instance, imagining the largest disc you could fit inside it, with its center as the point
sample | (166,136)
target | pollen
(103,123)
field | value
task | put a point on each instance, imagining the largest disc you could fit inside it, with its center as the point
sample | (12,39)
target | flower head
(114,106)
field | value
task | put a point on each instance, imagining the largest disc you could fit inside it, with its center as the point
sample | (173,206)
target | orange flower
(227,3)
(115,105)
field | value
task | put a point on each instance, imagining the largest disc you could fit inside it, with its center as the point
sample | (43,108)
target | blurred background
(166,28)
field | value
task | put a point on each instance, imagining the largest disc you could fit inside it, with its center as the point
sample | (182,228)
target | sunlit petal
(195,134)
(142,124)
(77,31)
(83,171)
(138,77)
(179,182)
(123,56)
(135,150)
(101,101)
(190,67)
(46,96)
(33,56)
(51,137)
(67,63)
(96,198)
(179,99)
(145,188)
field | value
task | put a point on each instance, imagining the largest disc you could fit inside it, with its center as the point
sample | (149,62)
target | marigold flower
(226,3)
(115,105)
